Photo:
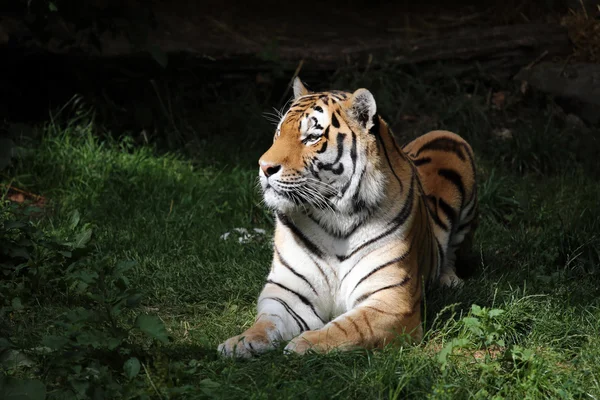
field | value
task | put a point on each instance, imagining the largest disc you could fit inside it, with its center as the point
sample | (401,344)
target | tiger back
(362,226)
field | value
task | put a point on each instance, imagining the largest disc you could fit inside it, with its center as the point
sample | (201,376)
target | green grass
(537,253)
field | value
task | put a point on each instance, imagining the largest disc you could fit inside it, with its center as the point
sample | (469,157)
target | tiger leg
(448,275)
(374,323)
(459,246)
(459,250)
(260,337)
(279,319)
(465,263)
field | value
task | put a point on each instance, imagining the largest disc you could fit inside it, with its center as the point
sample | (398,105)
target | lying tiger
(362,227)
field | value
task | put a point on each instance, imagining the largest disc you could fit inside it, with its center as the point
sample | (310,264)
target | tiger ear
(299,88)
(363,108)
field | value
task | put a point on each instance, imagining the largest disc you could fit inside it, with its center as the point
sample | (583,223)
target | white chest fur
(333,266)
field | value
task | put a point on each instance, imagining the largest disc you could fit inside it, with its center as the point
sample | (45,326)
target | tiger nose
(269,169)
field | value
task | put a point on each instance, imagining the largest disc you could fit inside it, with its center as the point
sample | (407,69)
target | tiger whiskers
(276,115)
(316,198)
(272,118)
(325,186)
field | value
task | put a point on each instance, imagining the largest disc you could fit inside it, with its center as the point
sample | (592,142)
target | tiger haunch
(362,226)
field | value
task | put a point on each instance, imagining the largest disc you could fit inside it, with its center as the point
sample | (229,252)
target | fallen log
(577,83)
(500,50)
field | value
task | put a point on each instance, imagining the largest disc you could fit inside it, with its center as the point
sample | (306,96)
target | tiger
(363,228)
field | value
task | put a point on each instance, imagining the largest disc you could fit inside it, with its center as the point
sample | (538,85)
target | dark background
(117,53)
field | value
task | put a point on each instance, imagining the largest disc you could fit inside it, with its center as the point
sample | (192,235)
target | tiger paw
(245,345)
(451,280)
(307,341)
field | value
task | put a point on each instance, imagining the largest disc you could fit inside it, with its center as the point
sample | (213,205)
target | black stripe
(311,167)
(387,264)
(310,246)
(301,297)
(367,295)
(421,161)
(359,204)
(449,211)
(299,320)
(456,179)
(326,133)
(338,170)
(432,200)
(334,121)
(472,209)
(387,157)
(353,157)
(340,148)
(318,109)
(397,222)
(444,144)
(323,148)
(376,125)
(299,275)
(463,226)
(439,222)
(322,272)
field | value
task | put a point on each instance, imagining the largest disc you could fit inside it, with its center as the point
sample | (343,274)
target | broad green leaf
(75,218)
(442,356)
(5,343)
(17,389)
(54,342)
(19,252)
(470,321)
(152,326)
(131,367)
(12,359)
(80,386)
(208,387)
(14,225)
(113,343)
(83,238)
(16,303)
(495,312)
(134,300)
(124,266)
(476,310)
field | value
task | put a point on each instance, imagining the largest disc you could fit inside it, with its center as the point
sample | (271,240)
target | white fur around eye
(313,141)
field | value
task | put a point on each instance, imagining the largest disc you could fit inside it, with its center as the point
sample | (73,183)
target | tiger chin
(362,229)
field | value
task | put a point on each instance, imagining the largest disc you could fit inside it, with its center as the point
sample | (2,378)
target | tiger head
(323,156)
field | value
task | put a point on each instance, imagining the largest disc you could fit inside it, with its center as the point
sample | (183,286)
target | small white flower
(225,236)
(244,236)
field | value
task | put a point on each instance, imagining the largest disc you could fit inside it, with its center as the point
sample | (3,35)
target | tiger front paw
(450,280)
(245,345)
(310,340)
